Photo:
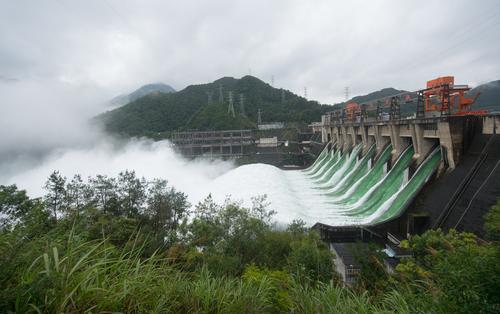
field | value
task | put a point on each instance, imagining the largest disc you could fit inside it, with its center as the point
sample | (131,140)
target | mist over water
(109,157)
(45,126)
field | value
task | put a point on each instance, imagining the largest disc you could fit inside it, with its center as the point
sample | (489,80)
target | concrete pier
(451,133)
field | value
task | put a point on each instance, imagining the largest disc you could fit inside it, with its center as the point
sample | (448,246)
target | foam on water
(336,190)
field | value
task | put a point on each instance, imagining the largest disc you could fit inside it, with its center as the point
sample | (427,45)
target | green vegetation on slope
(189,109)
(216,117)
(489,98)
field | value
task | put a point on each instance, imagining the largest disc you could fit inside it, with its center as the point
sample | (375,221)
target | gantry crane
(443,95)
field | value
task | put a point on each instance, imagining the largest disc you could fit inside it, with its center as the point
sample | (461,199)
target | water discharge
(358,186)
(339,188)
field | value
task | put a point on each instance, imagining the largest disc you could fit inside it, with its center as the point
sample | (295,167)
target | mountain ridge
(190,108)
(142,91)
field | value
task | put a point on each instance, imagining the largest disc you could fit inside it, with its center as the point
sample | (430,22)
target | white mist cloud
(39,115)
(109,157)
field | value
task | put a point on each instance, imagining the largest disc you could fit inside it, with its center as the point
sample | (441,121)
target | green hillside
(215,117)
(489,97)
(189,108)
(406,108)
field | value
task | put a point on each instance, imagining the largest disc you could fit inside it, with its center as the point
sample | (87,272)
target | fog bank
(147,158)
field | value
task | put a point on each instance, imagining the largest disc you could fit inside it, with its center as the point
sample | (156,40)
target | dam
(379,173)
(446,154)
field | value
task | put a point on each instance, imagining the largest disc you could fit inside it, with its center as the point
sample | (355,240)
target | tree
(132,193)
(297,227)
(310,259)
(56,193)
(166,208)
(492,222)
(75,193)
(373,276)
(104,192)
(14,204)
(464,274)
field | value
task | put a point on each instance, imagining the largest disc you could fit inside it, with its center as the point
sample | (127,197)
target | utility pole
(242,105)
(259,117)
(209,95)
(221,95)
(230,107)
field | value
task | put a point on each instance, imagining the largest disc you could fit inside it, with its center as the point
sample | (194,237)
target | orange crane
(443,95)
(352,110)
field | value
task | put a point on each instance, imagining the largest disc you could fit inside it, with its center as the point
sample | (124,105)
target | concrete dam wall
(457,155)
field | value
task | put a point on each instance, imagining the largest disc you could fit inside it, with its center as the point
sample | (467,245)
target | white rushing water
(338,189)
(290,193)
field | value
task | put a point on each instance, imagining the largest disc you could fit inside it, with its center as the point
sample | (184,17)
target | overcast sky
(117,45)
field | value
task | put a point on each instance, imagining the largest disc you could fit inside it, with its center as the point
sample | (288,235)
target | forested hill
(489,97)
(380,94)
(190,108)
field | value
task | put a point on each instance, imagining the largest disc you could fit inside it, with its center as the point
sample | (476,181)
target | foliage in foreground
(94,276)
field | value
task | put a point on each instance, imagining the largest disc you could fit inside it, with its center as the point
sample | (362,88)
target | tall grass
(74,277)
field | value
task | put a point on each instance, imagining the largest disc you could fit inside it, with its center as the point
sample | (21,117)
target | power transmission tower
(209,95)
(305,92)
(242,105)
(282,96)
(221,95)
(346,93)
(272,80)
(230,107)
(259,117)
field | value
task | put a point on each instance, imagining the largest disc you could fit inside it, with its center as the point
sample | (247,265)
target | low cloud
(38,116)
(147,158)
(324,45)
